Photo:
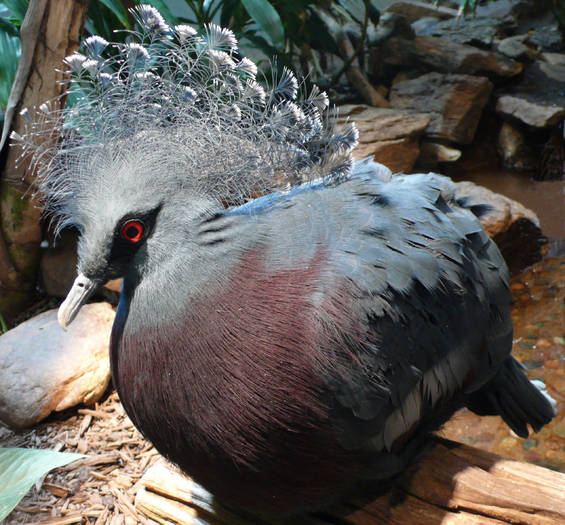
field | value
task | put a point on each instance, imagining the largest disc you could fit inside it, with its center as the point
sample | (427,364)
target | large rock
(44,369)
(391,136)
(447,57)
(533,113)
(538,98)
(455,102)
(513,227)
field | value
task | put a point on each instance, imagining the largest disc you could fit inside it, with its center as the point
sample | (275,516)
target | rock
(390,25)
(479,32)
(44,369)
(391,136)
(115,285)
(58,265)
(448,57)
(515,47)
(534,114)
(455,102)
(425,26)
(538,97)
(513,227)
(520,10)
(554,59)
(514,150)
(413,11)
(432,153)
(548,38)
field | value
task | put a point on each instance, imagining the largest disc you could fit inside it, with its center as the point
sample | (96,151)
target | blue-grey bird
(292,324)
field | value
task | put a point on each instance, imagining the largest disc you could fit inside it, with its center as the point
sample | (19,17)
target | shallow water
(545,198)
(539,343)
(539,327)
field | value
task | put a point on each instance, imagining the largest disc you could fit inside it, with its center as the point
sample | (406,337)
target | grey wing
(419,316)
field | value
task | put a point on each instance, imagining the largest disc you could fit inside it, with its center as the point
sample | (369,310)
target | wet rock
(58,265)
(513,227)
(442,55)
(455,102)
(537,114)
(413,11)
(44,369)
(391,136)
(514,150)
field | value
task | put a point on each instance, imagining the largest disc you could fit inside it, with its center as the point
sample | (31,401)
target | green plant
(12,13)
(20,468)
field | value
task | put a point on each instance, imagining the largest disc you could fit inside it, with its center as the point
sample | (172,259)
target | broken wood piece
(454,484)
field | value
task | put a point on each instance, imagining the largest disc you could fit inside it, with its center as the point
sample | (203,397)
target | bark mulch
(99,489)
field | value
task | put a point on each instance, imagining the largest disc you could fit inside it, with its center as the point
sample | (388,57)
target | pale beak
(81,290)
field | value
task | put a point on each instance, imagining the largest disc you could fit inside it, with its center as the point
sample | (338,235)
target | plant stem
(357,50)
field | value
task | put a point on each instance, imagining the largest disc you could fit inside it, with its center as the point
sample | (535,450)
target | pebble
(552,363)
(529,444)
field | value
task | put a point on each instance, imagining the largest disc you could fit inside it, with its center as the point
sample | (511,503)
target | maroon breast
(231,392)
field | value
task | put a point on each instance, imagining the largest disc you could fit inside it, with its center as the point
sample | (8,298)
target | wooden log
(453,485)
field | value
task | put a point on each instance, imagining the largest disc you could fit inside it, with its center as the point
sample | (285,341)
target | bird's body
(281,349)
(317,334)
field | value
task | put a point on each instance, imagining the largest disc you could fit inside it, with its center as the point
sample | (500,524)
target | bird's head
(169,113)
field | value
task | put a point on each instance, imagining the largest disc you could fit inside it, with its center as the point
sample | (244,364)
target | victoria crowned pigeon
(292,323)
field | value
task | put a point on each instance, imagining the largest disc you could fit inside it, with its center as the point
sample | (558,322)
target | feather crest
(171,96)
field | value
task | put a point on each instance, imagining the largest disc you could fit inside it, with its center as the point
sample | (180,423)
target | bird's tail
(512,396)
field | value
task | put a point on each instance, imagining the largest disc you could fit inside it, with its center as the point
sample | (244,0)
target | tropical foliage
(20,468)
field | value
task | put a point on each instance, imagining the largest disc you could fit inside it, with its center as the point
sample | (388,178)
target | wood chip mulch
(99,489)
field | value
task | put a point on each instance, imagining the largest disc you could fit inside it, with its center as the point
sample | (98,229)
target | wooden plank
(453,485)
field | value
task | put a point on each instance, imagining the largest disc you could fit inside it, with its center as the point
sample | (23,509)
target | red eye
(132,231)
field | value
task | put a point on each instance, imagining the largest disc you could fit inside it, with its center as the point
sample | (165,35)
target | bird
(293,324)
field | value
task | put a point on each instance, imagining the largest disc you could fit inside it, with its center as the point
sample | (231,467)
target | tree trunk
(50,31)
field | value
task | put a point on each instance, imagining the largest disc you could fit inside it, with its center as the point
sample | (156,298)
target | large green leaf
(120,12)
(9,57)
(20,468)
(267,18)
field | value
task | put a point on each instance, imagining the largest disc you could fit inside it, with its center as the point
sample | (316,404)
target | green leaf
(17,8)
(267,18)
(120,12)
(356,8)
(20,468)
(6,26)
(9,57)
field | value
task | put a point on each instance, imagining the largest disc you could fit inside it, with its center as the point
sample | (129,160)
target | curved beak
(81,290)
